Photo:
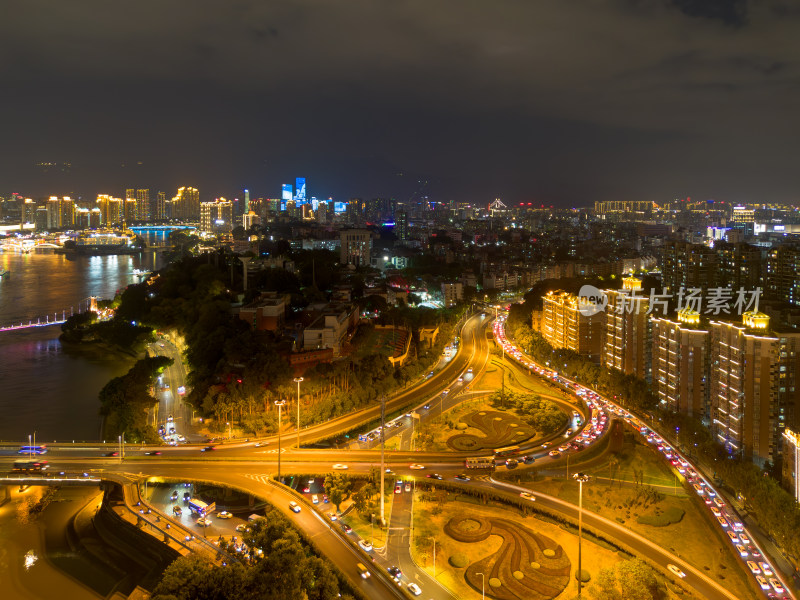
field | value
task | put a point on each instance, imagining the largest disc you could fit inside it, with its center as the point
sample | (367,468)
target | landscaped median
(533,531)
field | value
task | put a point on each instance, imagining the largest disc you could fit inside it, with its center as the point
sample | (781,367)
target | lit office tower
(356,246)
(564,324)
(143,205)
(246,201)
(160,208)
(754,386)
(627,335)
(216,216)
(782,268)
(300,191)
(402,225)
(680,368)
(286,195)
(186,205)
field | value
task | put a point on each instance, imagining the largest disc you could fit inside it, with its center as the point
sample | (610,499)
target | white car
(414,589)
(332,516)
(528,496)
(365,545)
(224,515)
(416,467)
(339,467)
(675,570)
(315,499)
(294,506)
(204,521)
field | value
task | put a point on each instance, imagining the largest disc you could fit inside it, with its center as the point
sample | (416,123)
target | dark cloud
(730,12)
(564,101)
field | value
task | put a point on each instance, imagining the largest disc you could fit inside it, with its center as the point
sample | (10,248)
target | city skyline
(549,103)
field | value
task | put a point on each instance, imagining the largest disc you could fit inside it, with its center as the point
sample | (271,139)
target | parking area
(178,501)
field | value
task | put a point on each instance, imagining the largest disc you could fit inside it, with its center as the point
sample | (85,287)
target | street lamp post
(30,447)
(298,381)
(280,404)
(229,430)
(483,585)
(581,478)
(383,465)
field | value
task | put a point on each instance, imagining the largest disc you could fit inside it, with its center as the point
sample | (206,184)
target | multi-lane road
(249,468)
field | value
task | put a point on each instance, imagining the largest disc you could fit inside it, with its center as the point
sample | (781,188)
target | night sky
(559,102)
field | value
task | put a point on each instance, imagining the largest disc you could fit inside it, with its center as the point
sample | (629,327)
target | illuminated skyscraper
(564,324)
(217,216)
(143,205)
(160,208)
(680,367)
(300,191)
(60,212)
(754,387)
(286,195)
(186,205)
(627,333)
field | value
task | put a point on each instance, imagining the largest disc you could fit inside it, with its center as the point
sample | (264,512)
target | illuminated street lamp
(298,381)
(229,430)
(280,404)
(581,478)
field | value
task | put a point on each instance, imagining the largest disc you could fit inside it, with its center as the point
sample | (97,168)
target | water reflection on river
(44,388)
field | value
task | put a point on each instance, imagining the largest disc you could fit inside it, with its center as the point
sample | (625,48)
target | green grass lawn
(708,551)
(363,527)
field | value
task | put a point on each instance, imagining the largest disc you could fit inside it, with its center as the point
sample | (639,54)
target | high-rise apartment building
(688,266)
(143,205)
(356,247)
(29,211)
(401,224)
(567,324)
(738,266)
(783,273)
(680,363)
(754,389)
(452,293)
(129,211)
(111,209)
(159,209)
(216,216)
(60,212)
(186,205)
(627,336)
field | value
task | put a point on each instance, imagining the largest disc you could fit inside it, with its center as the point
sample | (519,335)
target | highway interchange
(252,469)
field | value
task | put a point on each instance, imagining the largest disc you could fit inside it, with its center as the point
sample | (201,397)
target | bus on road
(29,466)
(480,462)
(502,452)
(198,506)
(42,449)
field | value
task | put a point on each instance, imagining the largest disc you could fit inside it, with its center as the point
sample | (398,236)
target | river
(45,389)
